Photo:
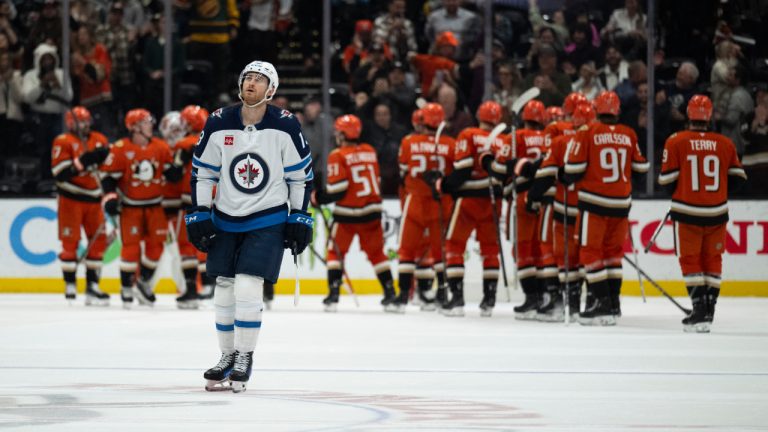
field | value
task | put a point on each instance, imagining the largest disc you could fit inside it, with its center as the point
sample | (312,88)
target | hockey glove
(93,157)
(486,160)
(532,206)
(298,231)
(200,228)
(434,180)
(111,204)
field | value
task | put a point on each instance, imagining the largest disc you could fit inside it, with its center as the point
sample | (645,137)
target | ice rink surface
(72,368)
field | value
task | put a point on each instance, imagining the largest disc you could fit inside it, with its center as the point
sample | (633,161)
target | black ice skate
(217,376)
(95,296)
(400,303)
(527,310)
(241,372)
(489,299)
(551,308)
(699,320)
(331,302)
(441,297)
(455,307)
(126,295)
(427,301)
(389,300)
(70,292)
(144,293)
(206,292)
(188,300)
(574,301)
(600,314)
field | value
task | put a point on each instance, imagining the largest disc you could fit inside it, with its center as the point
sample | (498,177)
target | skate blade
(331,308)
(486,313)
(599,321)
(391,308)
(428,307)
(526,316)
(217,386)
(93,301)
(239,386)
(696,328)
(188,305)
(556,317)
(454,312)
(143,300)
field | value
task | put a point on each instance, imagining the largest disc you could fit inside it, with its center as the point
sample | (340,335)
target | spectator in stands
(456,119)
(581,15)
(735,104)
(92,66)
(472,76)
(134,16)
(588,84)
(439,67)
(627,89)
(507,88)
(636,117)
(545,37)
(580,50)
(264,24)
(280,102)
(153,62)
(48,95)
(375,66)
(616,69)
(558,26)
(727,54)
(402,93)
(626,27)
(84,12)
(554,85)
(311,119)
(385,136)
(465,25)
(11,116)
(357,52)
(8,32)
(120,42)
(211,29)
(680,92)
(755,158)
(396,30)
(47,29)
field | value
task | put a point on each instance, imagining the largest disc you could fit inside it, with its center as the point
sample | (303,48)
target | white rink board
(29,243)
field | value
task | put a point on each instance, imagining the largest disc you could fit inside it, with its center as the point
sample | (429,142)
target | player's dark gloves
(433,179)
(298,231)
(200,228)
(532,206)
(111,204)
(486,160)
(94,157)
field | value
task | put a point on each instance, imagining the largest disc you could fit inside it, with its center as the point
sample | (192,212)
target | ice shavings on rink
(93,369)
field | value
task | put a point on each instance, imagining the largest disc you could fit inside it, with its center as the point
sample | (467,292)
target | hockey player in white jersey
(259,161)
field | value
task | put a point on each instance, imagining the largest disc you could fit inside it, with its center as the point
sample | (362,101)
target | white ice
(72,368)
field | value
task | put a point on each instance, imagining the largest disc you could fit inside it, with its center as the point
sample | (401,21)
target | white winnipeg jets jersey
(257,169)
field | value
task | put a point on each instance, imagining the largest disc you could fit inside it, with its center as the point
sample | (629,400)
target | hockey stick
(348,285)
(666,294)
(297,289)
(176,271)
(658,230)
(491,139)
(440,215)
(91,240)
(634,252)
(567,290)
(347,280)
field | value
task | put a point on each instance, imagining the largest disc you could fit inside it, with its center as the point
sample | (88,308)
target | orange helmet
(432,114)
(583,114)
(554,113)
(417,118)
(489,112)
(349,125)
(534,112)
(699,108)
(607,102)
(572,101)
(195,116)
(135,116)
(76,116)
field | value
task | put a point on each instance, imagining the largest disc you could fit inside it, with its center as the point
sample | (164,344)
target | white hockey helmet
(264,68)
(172,127)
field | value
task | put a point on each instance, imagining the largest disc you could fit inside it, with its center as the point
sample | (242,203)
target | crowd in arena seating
(386,54)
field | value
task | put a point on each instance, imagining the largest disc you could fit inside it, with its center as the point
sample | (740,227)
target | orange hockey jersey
(354,183)
(418,155)
(530,144)
(471,144)
(139,170)
(700,163)
(549,173)
(602,159)
(66,148)
(179,193)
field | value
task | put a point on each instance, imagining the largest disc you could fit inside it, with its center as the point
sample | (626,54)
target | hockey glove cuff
(298,231)
(200,228)
(111,204)
(92,157)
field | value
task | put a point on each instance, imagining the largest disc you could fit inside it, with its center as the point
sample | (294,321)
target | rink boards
(29,247)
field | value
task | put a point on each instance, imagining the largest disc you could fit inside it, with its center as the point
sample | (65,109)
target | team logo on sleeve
(249,173)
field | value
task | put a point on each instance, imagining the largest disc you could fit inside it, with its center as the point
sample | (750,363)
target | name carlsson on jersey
(612,138)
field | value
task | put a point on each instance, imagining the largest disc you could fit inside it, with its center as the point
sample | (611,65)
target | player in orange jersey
(422,162)
(564,125)
(353,183)
(699,168)
(551,170)
(137,168)
(602,160)
(75,158)
(469,184)
(530,146)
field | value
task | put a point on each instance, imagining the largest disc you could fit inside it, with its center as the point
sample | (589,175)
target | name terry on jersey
(703,145)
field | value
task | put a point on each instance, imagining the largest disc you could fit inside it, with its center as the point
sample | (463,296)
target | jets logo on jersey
(217,113)
(249,173)
(285,113)
(229,140)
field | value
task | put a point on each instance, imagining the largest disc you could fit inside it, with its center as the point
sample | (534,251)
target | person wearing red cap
(438,66)
(699,168)
(601,162)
